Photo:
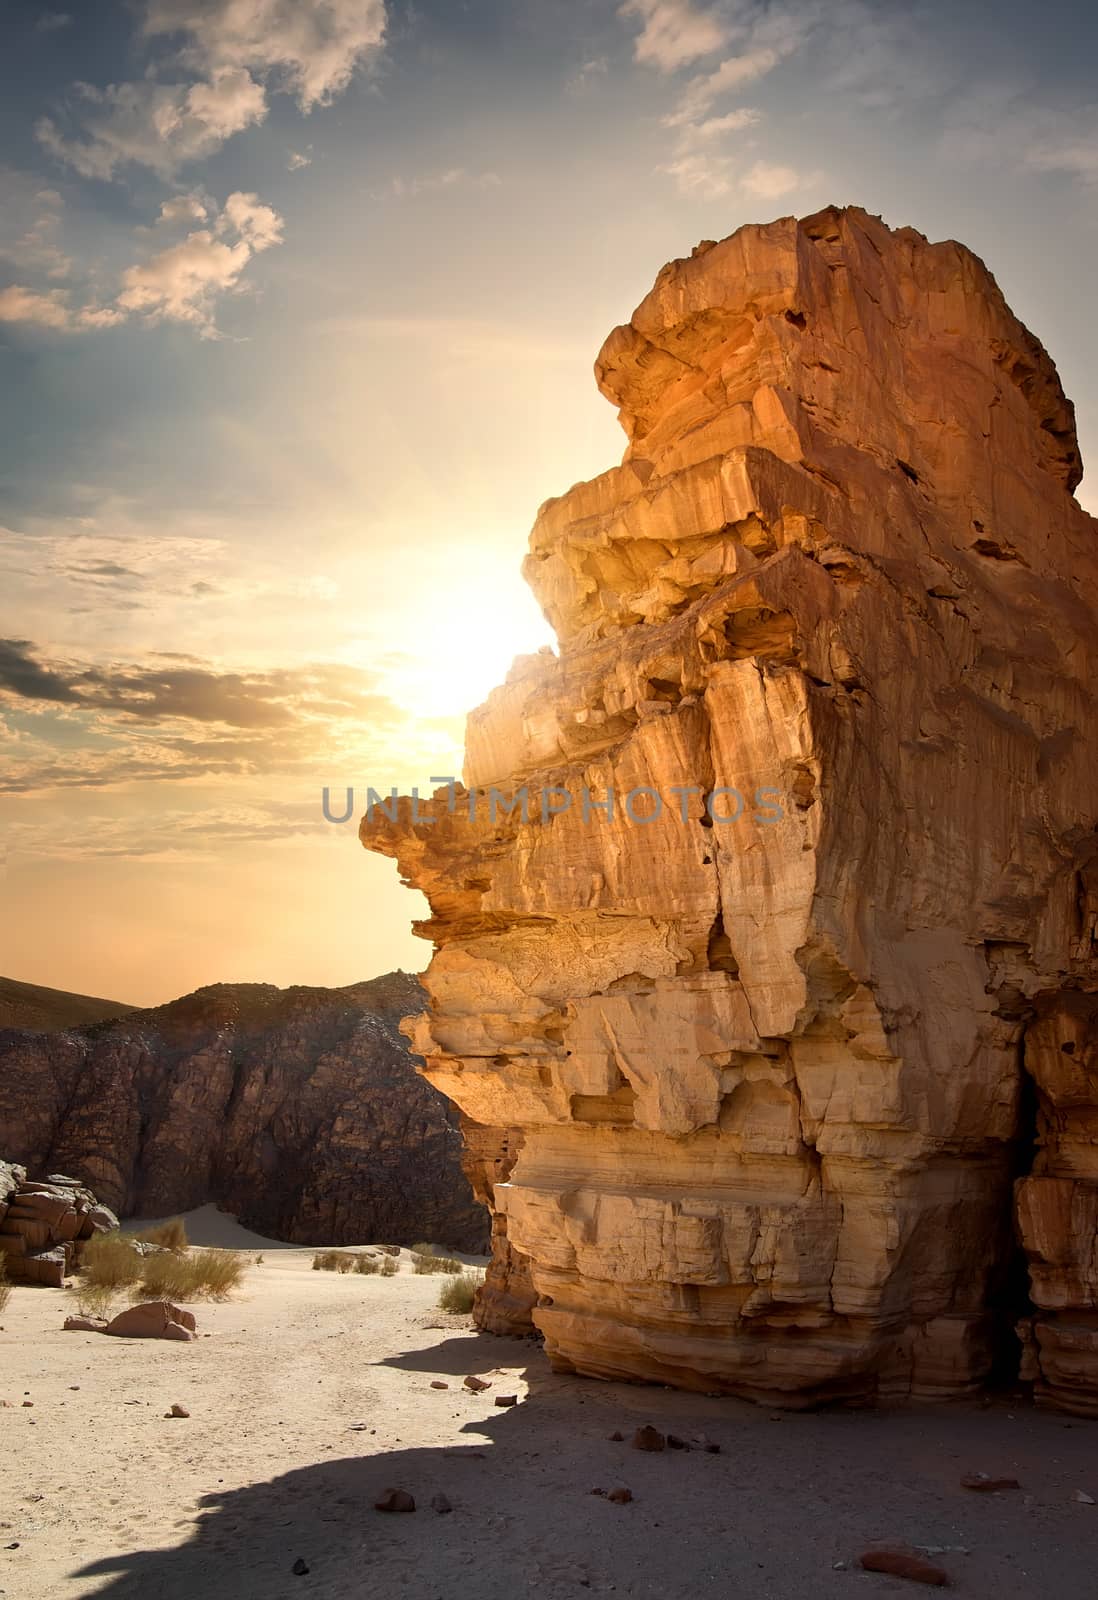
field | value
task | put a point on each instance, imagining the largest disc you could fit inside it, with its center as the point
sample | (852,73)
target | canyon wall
(802,1039)
(298,1110)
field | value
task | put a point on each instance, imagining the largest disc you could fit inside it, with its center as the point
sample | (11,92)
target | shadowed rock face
(299,1110)
(778,1081)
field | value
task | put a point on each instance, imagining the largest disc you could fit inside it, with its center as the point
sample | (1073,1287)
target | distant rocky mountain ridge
(298,1110)
(28,1005)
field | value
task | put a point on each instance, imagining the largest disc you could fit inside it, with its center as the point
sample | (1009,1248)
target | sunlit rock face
(780,1079)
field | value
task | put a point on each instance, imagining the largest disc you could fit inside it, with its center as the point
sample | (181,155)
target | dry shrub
(458,1291)
(259,1259)
(425,1258)
(367,1264)
(199,1275)
(389,1267)
(110,1262)
(334,1261)
(5,1286)
(171,1234)
(95,1299)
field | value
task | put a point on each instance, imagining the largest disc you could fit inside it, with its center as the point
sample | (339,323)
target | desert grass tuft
(172,1235)
(110,1262)
(334,1261)
(426,1258)
(389,1267)
(95,1299)
(368,1264)
(458,1292)
(198,1275)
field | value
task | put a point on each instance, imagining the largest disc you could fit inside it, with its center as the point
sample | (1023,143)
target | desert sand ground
(310,1394)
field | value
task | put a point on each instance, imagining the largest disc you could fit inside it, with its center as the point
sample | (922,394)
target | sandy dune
(312,1395)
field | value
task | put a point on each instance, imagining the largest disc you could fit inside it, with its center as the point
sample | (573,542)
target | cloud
(52,21)
(183,282)
(169,717)
(997,125)
(183,208)
(589,73)
(22,675)
(714,128)
(452,178)
(296,160)
(308,48)
(51,309)
(35,221)
(703,91)
(769,180)
(674,32)
(161,126)
(312,47)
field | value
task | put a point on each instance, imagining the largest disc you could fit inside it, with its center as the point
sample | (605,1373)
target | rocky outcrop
(44,1226)
(299,1110)
(786,970)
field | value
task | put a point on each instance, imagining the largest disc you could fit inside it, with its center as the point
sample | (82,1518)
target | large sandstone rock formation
(779,1078)
(44,1226)
(299,1110)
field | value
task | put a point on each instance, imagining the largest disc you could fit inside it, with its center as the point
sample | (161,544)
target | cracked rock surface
(785,1070)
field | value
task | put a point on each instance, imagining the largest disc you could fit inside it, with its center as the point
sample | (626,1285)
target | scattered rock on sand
(903,1564)
(620,1496)
(299,1568)
(395,1500)
(506,1399)
(177,1411)
(985,1485)
(85,1325)
(649,1438)
(1082,1498)
(477,1385)
(153,1319)
(441,1504)
(437,1383)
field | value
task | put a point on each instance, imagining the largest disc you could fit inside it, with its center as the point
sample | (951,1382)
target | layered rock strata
(44,1226)
(785,1034)
(299,1110)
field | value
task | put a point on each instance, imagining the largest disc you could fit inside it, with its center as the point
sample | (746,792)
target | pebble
(981,1482)
(437,1383)
(1082,1498)
(506,1399)
(177,1411)
(299,1568)
(477,1385)
(441,1504)
(649,1438)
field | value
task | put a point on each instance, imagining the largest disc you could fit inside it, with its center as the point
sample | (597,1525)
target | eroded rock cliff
(779,1078)
(299,1110)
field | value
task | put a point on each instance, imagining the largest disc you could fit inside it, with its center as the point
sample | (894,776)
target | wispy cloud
(451,178)
(770,180)
(675,32)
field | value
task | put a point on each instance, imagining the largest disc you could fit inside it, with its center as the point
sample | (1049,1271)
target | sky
(299,301)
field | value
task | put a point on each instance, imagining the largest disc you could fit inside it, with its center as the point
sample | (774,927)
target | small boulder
(983,1484)
(649,1438)
(437,1383)
(620,1496)
(85,1325)
(177,1411)
(902,1564)
(395,1500)
(477,1385)
(153,1319)
(506,1400)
